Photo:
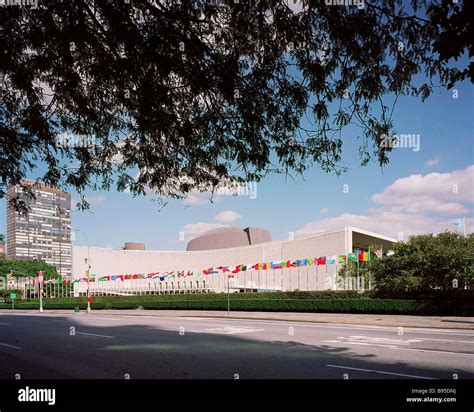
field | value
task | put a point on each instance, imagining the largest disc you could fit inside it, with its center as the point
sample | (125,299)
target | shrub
(365,305)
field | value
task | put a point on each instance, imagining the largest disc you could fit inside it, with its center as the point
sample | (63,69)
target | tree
(22,268)
(179,96)
(354,271)
(425,263)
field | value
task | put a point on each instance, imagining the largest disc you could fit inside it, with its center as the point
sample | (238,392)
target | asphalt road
(41,346)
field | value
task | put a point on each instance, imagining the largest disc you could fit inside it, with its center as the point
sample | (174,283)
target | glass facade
(45,232)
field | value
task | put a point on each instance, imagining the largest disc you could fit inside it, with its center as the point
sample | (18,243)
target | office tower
(45,231)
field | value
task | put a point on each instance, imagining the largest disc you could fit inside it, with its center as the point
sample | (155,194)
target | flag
(239,268)
(363,257)
(342,259)
(189,273)
(286,264)
(180,273)
(276,265)
(266,266)
(459,224)
(390,252)
(157,275)
(257,266)
(378,253)
(321,260)
(236,269)
(331,260)
(230,276)
(209,271)
(352,257)
(224,268)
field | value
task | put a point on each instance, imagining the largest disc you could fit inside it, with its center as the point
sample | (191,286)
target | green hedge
(5,294)
(376,306)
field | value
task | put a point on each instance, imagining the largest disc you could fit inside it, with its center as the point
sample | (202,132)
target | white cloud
(324,210)
(433,162)
(227,216)
(436,192)
(413,205)
(387,223)
(196,199)
(200,198)
(295,5)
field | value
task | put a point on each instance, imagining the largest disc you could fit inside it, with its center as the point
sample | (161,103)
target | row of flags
(359,256)
(232,270)
(59,281)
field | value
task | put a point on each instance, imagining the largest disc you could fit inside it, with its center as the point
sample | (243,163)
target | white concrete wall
(121,262)
(106,261)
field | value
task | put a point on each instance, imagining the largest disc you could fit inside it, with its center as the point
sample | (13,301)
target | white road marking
(381,372)
(449,340)
(94,334)
(343,326)
(436,351)
(231,330)
(9,346)
(3,323)
(389,344)
(376,340)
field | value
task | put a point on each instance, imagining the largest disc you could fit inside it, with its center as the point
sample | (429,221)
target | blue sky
(412,194)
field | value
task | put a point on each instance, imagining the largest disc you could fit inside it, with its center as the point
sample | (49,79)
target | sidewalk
(439,322)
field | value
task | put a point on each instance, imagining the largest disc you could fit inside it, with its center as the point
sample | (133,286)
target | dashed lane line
(380,372)
(9,346)
(94,334)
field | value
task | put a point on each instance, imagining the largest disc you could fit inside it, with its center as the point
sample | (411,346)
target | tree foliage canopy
(425,263)
(22,268)
(180,96)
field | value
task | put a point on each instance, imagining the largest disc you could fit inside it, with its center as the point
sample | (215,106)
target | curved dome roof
(223,229)
(229,236)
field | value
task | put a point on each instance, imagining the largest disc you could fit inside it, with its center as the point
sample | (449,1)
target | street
(118,346)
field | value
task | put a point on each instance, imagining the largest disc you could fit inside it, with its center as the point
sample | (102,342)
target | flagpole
(298,270)
(326,276)
(358,280)
(347,270)
(307,278)
(228,296)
